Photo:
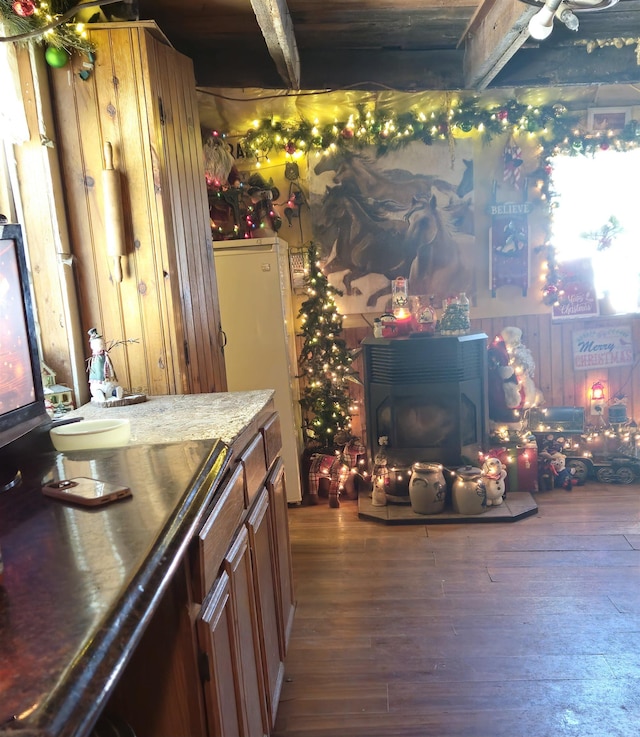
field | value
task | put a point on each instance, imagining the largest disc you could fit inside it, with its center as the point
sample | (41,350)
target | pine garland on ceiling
(556,129)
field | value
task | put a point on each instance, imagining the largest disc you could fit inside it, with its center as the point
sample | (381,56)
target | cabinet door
(141,98)
(216,633)
(262,542)
(276,486)
(249,675)
(159,692)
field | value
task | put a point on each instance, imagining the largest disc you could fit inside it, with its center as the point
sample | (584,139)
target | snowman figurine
(492,481)
(103,383)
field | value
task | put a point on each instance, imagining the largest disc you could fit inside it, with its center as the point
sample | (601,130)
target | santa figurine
(103,383)
(504,393)
(522,361)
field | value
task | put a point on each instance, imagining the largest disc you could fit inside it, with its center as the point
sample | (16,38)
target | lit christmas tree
(325,362)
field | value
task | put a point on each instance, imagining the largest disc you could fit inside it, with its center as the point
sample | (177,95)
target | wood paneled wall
(552,349)
(140,96)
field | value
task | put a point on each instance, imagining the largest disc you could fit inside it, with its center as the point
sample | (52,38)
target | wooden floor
(522,629)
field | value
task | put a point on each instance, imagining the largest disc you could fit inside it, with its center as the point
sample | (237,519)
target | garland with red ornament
(51,23)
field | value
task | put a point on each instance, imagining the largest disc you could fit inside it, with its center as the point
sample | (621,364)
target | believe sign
(602,348)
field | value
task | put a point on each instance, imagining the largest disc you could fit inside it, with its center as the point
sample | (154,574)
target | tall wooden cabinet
(140,97)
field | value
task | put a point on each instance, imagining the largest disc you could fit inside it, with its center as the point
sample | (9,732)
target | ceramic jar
(467,494)
(427,488)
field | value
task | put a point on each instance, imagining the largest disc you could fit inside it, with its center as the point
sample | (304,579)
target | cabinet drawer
(272,438)
(217,533)
(252,459)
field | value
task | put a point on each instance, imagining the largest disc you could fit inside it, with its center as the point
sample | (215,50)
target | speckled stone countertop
(170,418)
(80,584)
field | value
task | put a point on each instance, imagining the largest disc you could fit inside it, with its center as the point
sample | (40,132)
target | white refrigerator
(254,288)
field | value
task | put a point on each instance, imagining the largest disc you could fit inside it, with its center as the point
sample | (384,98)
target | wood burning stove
(428,396)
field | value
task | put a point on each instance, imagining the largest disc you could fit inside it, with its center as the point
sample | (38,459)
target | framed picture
(608,119)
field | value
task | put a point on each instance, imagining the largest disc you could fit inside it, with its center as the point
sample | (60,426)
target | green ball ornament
(56,57)
(465,126)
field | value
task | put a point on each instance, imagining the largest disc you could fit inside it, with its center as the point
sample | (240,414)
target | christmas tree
(324,361)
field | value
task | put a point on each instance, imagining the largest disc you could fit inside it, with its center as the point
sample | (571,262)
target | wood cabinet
(140,96)
(253,591)
(213,655)
(159,694)
(276,486)
(253,714)
(261,541)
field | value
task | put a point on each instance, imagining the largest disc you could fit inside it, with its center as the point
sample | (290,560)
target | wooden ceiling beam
(569,66)
(276,25)
(410,71)
(496,31)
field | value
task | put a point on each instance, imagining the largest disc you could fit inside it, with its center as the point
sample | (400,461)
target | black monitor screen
(21,394)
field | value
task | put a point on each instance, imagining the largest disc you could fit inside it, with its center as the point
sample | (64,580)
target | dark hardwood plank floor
(523,629)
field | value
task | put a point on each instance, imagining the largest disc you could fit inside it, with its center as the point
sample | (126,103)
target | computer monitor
(21,393)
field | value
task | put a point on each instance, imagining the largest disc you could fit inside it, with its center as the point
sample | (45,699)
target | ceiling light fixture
(541,24)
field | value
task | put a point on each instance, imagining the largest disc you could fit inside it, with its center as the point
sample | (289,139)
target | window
(597,215)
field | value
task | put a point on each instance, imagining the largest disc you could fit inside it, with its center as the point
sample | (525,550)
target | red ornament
(604,145)
(548,169)
(503,115)
(290,147)
(347,133)
(24,8)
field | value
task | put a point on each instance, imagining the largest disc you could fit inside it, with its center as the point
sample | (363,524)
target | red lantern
(597,391)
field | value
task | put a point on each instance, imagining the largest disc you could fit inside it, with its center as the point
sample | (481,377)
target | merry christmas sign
(602,347)
(578,298)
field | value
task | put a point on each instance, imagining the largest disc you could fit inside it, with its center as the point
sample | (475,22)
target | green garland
(45,25)
(556,129)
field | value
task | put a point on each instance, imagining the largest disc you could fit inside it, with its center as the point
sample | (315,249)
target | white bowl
(89,434)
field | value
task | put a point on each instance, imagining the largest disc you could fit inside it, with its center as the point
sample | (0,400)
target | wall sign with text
(602,348)
(509,262)
(578,297)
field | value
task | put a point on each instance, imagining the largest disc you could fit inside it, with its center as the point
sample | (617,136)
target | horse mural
(444,256)
(386,223)
(360,175)
(362,243)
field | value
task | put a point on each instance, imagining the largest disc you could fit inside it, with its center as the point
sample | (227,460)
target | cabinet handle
(224,338)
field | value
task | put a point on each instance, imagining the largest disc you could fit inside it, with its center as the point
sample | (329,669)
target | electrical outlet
(597,407)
